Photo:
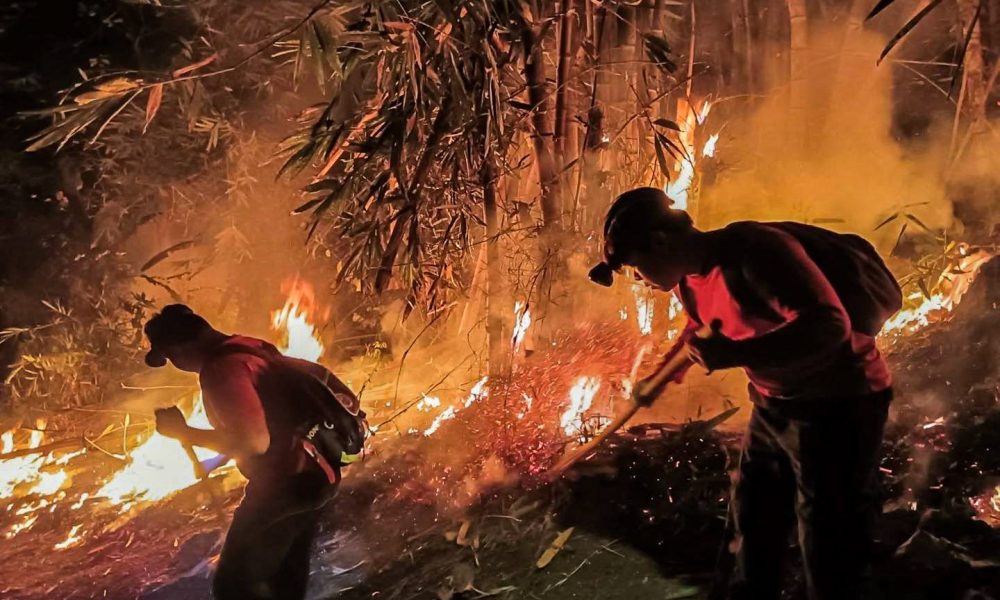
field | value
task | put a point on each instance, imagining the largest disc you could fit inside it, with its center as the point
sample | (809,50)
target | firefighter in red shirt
(820,389)
(267,548)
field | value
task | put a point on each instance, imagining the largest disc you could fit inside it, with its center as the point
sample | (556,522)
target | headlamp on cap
(155,359)
(631,218)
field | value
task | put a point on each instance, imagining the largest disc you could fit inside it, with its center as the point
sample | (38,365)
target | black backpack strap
(751,298)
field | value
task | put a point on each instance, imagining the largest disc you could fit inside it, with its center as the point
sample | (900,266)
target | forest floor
(643,517)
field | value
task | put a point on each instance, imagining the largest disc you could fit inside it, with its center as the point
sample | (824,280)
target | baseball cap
(175,324)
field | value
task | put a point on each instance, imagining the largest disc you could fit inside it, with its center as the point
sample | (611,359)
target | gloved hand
(713,351)
(170,422)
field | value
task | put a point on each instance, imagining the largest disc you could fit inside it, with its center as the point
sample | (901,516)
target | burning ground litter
(468,501)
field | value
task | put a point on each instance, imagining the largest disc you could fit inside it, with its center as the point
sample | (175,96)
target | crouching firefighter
(797,308)
(289,423)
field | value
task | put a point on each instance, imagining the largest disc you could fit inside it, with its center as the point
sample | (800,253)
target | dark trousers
(268,545)
(814,465)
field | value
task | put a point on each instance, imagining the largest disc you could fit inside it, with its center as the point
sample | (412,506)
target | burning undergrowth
(662,489)
(468,466)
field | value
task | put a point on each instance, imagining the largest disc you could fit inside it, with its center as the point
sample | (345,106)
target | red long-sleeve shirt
(235,388)
(805,349)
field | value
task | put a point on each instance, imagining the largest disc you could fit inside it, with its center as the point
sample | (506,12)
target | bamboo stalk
(566,21)
(798,65)
(541,133)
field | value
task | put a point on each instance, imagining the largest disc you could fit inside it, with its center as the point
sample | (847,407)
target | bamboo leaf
(308,205)
(107,89)
(676,151)
(660,158)
(899,238)
(163,254)
(195,66)
(882,5)
(922,284)
(153,104)
(920,223)
(887,220)
(913,22)
(658,51)
(960,59)
(667,123)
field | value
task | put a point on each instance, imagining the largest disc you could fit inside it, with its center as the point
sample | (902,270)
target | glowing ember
(522,321)
(674,310)
(71,540)
(79,503)
(157,468)
(581,396)
(645,306)
(478,392)
(48,483)
(528,401)
(299,336)
(987,507)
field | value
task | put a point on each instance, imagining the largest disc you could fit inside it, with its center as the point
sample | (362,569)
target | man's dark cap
(175,324)
(632,216)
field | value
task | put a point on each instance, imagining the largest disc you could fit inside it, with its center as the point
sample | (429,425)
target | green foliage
(418,101)
(66,361)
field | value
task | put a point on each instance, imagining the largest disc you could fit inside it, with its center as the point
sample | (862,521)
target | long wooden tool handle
(199,470)
(568,460)
(654,387)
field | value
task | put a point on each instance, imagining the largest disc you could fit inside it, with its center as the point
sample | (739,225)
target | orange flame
(157,468)
(581,396)
(478,392)
(645,307)
(294,321)
(954,283)
(522,321)
(689,120)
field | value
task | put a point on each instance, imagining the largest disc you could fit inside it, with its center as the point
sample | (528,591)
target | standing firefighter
(797,307)
(290,425)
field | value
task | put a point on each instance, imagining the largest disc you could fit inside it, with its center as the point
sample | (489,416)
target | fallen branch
(80,441)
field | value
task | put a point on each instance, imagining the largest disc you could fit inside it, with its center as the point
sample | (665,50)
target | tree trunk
(797,84)
(550,260)
(541,131)
(494,272)
(567,24)
(973,68)
(842,80)
(594,131)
